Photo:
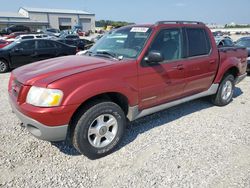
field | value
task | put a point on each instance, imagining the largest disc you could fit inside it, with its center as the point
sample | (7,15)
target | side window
(26,45)
(50,44)
(169,43)
(43,44)
(198,42)
(58,45)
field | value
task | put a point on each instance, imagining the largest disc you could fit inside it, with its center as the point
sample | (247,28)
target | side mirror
(154,57)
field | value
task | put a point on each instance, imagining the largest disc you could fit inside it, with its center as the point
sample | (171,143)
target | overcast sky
(148,11)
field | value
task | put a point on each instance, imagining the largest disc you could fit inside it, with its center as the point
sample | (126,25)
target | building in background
(41,18)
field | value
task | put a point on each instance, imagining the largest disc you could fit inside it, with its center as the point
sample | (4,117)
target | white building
(40,18)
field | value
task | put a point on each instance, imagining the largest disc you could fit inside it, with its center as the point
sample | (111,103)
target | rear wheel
(98,129)
(4,67)
(225,92)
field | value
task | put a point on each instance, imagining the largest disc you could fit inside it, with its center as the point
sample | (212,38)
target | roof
(11,15)
(63,11)
(26,21)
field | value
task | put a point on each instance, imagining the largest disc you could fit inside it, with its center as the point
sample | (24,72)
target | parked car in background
(15,28)
(245,42)
(52,32)
(95,39)
(131,72)
(22,52)
(69,36)
(81,44)
(14,35)
(4,43)
(80,33)
(217,34)
(29,36)
(67,32)
(224,42)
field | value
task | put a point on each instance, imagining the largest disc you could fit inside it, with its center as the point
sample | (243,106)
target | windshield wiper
(106,54)
(88,53)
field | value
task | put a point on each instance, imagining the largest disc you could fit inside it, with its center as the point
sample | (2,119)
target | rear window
(27,37)
(72,37)
(198,42)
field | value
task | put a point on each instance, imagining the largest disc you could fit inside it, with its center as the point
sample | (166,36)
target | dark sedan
(245,42)
(23,52)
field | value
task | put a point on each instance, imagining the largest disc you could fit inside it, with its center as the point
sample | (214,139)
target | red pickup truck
(129,73)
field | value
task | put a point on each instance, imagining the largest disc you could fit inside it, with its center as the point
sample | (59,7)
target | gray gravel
(191,145)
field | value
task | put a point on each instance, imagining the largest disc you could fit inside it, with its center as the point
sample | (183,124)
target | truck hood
(45,72)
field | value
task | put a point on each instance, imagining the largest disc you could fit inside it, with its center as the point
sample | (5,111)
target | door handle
(179,67)
(212,61)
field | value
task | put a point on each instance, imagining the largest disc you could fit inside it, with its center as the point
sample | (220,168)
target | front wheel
(4,67)
(98,129)
(225,92)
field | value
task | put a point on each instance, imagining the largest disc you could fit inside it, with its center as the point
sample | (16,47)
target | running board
(134,113)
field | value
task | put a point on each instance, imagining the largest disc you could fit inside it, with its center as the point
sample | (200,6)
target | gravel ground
(191,145)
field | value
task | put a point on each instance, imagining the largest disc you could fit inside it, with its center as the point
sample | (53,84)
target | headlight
(44,97)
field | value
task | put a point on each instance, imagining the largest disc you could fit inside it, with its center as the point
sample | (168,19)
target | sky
(148,11)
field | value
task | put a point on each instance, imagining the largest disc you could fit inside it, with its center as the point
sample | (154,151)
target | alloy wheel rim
(227,90)
(2,66)
(102,130)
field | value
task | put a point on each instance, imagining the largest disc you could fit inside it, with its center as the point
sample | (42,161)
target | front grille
(16,87)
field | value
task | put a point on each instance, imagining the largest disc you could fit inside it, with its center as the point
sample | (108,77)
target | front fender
(97,87)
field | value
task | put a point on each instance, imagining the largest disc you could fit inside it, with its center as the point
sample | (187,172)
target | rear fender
(232,62)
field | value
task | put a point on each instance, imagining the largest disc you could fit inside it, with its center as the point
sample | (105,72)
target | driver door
(164,81)
(22,53)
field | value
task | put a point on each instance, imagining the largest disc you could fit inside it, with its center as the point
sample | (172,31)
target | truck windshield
(122,43)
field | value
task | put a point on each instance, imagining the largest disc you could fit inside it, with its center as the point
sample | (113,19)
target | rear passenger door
(201,61)
(44,50)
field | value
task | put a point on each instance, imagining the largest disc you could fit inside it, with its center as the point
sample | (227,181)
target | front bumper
(240,78)
(39,130)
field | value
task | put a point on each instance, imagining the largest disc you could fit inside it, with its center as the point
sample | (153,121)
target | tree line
(105,23)
(237,26)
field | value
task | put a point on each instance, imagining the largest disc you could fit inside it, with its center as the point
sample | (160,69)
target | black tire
(218,99)
(84,120)
(4,66)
